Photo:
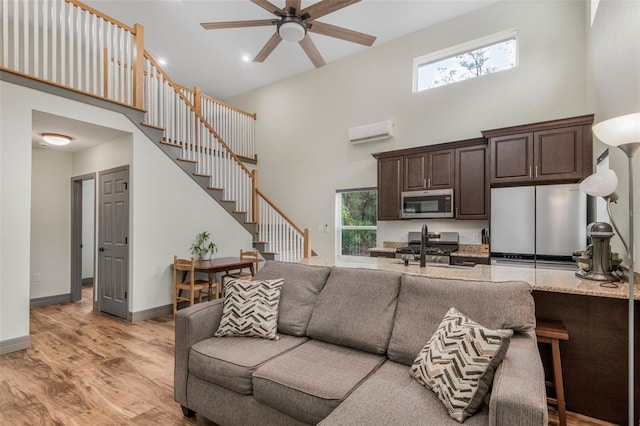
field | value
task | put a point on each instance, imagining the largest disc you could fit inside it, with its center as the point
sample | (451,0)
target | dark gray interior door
(113,244)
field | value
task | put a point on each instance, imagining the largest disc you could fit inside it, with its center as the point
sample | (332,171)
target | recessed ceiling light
(56,139)
(162,61)
(246,58)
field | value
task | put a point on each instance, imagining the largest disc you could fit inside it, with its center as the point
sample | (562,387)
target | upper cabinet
(472,182)
(461,165)
(389,187)
(558,151)
(429,170)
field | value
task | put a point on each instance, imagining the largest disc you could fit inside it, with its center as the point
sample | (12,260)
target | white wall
(88,227)
(301,130)
(167,207)
(15,213)
(50,223)
(613,89)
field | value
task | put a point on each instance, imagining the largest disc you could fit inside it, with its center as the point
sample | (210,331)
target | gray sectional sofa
(347,338)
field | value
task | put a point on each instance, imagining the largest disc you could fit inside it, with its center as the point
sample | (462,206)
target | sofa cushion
(391,397)
(356,309)
(459,361)
(302,285)
(250,309)
(310,381)
(230,361)
(424,301)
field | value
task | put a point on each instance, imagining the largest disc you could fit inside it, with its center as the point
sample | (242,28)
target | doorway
(83,220)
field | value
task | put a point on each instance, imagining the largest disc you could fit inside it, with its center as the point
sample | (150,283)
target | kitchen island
(594,359)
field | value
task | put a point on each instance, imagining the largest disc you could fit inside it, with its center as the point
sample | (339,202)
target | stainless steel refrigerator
(538,226)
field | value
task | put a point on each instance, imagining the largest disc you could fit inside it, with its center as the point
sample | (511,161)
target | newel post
(254,195)
(138,67)
(307,242)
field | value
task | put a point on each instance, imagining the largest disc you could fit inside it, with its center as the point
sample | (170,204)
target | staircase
(68,44)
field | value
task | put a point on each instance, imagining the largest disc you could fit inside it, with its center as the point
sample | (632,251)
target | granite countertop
(551,280)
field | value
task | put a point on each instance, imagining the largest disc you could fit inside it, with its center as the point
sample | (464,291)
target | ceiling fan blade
(293,4)
(238,24)
(312,51)
(341,33)
(324,7)
(269,7)
(268,48)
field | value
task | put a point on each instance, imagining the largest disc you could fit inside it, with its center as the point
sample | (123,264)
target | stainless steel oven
(428,204)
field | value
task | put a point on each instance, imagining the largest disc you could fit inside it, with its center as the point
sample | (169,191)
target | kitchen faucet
(423,246)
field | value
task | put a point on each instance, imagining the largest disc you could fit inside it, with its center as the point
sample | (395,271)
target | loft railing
(71,45)
(235,126)
(64,43)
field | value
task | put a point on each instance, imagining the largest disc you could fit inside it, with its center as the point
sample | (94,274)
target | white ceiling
(84,135)
(212,59)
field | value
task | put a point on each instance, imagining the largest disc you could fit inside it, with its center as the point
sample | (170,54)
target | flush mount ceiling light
(292,28)
(56,139)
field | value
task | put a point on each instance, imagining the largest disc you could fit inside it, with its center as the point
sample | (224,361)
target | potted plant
(201,249)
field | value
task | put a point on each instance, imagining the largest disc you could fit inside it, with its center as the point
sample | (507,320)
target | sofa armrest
(193,324)
(518,396)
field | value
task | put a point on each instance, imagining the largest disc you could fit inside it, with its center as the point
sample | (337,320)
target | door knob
(101,249)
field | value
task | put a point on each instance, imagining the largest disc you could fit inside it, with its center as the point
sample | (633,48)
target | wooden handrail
(218,101)
(102,15)
(280,212)
(199,116)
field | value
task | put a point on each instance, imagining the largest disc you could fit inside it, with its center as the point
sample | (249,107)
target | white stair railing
(168,108)
(70,44)
(283,238)
(235,127)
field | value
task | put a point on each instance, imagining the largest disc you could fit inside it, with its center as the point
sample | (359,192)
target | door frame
(76,235)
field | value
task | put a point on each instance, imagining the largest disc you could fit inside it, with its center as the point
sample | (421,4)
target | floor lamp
(624,132)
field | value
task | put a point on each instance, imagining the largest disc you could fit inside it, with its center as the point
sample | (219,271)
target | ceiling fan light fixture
(56,139)
(292,31)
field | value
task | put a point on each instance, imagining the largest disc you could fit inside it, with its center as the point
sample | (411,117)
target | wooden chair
(191,284)
(552,333)
(243,274)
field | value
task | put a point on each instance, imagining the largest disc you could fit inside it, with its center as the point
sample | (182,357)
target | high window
(476,58)
(356,219)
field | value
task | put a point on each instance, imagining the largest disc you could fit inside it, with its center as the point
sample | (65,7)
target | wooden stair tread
(202,175)
(186,160)
(153,126)
(163,142)
(215,188)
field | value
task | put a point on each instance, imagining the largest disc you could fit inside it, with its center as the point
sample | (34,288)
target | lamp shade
(292,31)
(620,130)
(601,184)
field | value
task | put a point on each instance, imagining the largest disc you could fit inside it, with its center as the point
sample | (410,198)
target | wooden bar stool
(552,333)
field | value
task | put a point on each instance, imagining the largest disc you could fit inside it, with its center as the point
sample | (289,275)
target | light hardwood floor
(88,368)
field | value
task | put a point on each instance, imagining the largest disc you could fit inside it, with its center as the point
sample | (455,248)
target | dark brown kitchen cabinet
(558,151)
(389,187)
(429,170)
(472,182)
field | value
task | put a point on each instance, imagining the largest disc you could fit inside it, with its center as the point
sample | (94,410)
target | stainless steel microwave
(437,203)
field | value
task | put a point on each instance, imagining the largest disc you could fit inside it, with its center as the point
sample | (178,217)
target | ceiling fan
(294,24)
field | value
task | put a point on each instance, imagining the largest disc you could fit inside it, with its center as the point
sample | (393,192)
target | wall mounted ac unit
(371,132)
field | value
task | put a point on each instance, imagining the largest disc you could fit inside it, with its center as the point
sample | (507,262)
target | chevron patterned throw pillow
(459,361)
(250,309)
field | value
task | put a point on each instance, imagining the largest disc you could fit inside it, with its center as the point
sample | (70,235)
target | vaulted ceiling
(213,59)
